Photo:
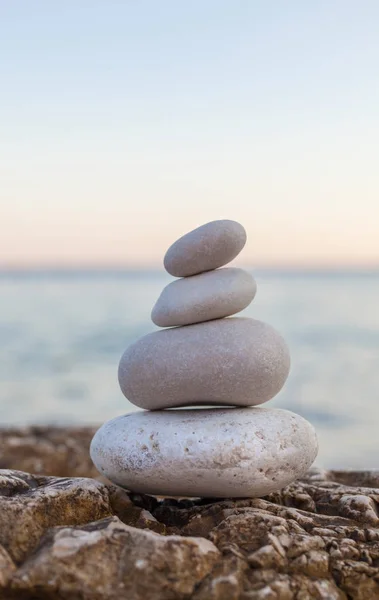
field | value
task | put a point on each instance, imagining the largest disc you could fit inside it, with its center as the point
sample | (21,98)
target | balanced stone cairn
(203,358)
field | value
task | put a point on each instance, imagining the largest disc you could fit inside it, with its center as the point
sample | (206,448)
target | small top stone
(208,247)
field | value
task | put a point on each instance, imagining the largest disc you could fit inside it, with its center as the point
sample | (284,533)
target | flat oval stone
(236,452)
(208,247)
(233,361)
(203,297)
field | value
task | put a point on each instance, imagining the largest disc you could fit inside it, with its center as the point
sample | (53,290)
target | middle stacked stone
(204,358)
(204,297)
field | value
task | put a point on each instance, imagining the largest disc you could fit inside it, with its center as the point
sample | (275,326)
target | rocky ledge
(79,538)
(48,450)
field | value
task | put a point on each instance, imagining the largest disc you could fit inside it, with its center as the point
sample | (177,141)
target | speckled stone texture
(211,295)
(236,452)
(318,539)
(233,361)
(208,247)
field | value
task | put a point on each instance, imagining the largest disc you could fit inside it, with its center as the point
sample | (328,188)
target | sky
(125,124)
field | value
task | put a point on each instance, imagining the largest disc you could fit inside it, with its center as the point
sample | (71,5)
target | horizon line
(141,269)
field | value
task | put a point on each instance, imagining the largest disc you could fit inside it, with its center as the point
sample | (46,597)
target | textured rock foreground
(81,539)
(48,450)
(78,538)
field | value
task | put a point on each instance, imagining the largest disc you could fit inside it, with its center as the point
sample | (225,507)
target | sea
(62,335)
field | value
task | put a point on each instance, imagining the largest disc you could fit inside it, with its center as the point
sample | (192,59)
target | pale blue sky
(124,124)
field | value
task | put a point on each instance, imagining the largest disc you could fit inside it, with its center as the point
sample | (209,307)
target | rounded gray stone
(236,452)
(233,361)
(208,247)
(204,297)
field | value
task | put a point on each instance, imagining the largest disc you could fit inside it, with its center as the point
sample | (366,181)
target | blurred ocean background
(62,334)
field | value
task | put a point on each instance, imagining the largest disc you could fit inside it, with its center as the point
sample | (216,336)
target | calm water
(62,336)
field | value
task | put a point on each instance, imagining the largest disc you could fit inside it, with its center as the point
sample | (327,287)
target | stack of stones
(204,358)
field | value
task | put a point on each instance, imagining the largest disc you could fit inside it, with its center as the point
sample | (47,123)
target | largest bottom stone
(233,452)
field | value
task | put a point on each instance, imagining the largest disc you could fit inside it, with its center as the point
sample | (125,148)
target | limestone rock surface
(109,559)
(48,450)
(317,539)
(30,505)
